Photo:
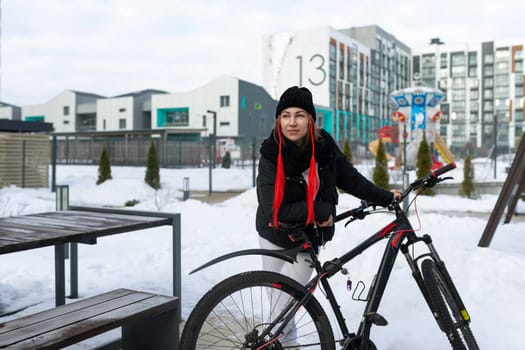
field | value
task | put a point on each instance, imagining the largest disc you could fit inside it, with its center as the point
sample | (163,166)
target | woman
(300,169)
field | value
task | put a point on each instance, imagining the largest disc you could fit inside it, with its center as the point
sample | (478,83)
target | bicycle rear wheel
(236,313)
(449,315)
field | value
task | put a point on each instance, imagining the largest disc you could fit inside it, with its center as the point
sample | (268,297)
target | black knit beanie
(296,96)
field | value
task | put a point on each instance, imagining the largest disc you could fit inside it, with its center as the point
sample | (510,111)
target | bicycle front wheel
(449,315)
(245,311)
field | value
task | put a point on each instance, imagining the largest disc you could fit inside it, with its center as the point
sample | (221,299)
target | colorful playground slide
(372,147)
(443,150)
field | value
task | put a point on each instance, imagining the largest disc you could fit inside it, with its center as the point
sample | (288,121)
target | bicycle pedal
(376,319)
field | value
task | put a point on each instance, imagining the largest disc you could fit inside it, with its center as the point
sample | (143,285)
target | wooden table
(81,225)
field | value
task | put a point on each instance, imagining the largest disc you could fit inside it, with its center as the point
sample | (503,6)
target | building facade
(349,72)
(70,111)
(131,111)
(226,107)
(8,111)
(483,83)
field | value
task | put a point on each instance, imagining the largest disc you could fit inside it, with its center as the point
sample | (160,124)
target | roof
(143,92)
(22,126)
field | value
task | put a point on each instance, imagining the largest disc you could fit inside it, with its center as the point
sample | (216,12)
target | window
(502,79)
(66,121)
(458,106)
(104,124)
(458,83)
(518,67)
(474,106)
(224,124)
(225,101)
(472,58)
(176,118)
(443,60)
(34,118)
(501,92)
(518,91)
(341,61)
(458,59)
(66,110)
(458,71)
(502,54)
(121,110)
(458,94)
(502,67)
(122,123)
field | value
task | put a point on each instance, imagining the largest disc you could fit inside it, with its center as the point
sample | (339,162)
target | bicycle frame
(395,231)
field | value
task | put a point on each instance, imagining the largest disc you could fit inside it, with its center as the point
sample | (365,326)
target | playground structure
(418,113)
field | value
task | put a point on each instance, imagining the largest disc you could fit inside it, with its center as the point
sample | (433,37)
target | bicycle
(265,310)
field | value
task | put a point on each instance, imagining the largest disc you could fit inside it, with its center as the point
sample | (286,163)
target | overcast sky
(110,47)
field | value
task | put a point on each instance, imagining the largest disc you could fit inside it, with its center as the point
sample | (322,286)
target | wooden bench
(148,321)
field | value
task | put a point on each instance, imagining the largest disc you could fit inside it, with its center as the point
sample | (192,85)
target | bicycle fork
(440,265)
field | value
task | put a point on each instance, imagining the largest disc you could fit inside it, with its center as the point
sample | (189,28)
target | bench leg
(160,332)
(60,275)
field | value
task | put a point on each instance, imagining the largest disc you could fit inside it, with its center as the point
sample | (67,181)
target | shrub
(152,177)
(380,175)
(347,151)
(424,162)
(131,203)
(467,186)
(104,167)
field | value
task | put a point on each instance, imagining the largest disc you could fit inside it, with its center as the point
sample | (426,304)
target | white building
(241,110)
(131,111)
(8,111)
(349,71)
(483,83)
(69,111)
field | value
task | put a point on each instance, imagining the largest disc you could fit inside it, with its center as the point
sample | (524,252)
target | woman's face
(294,124)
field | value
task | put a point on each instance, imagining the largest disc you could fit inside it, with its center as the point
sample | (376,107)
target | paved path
(215,197)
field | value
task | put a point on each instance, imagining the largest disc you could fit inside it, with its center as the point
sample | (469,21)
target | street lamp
(213,148)
(495,141)
(437,65)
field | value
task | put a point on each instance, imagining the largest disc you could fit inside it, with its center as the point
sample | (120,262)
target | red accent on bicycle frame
(386,229)
(306,246)
(277,285)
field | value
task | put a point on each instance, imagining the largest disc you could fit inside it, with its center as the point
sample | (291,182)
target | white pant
(299,271)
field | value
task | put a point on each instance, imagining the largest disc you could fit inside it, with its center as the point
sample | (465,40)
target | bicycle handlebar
(444,169)
(427,181)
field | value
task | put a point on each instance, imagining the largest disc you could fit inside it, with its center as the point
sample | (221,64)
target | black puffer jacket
(334,172)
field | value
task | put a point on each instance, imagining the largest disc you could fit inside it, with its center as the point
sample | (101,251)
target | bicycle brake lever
(349,221)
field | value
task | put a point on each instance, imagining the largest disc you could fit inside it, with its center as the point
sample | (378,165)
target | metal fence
(131,151)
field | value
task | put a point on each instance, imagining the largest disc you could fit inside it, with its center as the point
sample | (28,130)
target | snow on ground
(490,280)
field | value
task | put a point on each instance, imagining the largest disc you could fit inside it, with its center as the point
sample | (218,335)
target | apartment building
(349,71)
(483,83)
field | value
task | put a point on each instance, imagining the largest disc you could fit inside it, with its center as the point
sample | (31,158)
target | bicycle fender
(288,255)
